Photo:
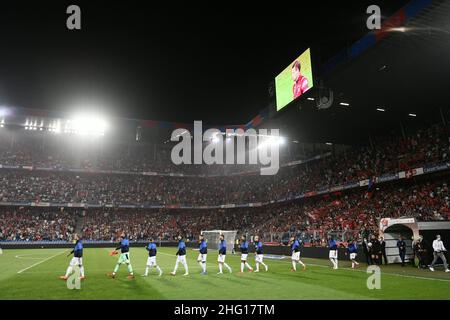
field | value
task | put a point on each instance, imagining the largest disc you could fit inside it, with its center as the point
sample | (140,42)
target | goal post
(212,237)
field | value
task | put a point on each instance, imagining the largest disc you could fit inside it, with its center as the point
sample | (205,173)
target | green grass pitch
(33,274)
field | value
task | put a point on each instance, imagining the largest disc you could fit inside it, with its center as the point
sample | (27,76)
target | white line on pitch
(382,272)
(37,263)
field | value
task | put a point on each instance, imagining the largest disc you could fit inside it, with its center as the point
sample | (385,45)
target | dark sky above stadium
(175,62)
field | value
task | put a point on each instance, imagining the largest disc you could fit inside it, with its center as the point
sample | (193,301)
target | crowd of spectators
(426,198)
(385,154)
(425,147)
(25,224)
(351,214)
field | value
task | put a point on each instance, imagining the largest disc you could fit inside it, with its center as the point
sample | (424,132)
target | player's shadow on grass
(170,282)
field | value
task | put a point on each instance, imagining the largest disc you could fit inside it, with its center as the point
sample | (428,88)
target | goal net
(212,237)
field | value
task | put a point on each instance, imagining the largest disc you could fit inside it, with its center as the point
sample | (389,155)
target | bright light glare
(271,140)
(3,111)
(86,125)
(215,139)
(399,29)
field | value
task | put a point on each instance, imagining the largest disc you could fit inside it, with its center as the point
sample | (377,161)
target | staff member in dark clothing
(375,250)
(401,245)
(421,252)
(383,251)
(366,251)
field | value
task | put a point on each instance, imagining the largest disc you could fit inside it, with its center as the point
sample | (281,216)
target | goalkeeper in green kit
(124,257)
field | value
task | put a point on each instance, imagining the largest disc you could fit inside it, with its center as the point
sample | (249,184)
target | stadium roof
(403,74)
(397,85)
(170,63)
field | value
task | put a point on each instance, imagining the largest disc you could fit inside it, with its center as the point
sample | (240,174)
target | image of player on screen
(300,82)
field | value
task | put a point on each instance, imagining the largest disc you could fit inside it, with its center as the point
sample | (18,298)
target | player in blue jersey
(295,257)
(222,255)
(181,257)
(352,251)
(259,254)
(124,258)
(333,254)
(244,254)
(203,252)
(151,260)
(77,259)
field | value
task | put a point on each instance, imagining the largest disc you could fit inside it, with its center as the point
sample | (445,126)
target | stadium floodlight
(344,104)
(398,29)
(87,124)
(271,140)
(4,111)
(412,114)
(381,109)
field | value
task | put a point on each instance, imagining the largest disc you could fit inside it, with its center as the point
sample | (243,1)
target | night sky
(173,62)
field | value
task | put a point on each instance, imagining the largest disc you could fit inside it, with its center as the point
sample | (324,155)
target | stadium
(93,205)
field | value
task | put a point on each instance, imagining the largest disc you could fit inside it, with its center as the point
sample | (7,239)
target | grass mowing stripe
(319,282)
(38,263)
(345,268)
(386,273)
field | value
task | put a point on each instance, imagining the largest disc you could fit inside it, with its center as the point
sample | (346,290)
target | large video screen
(294,81)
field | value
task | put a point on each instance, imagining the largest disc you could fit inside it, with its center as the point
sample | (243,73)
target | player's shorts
(352,256)
(295,255)
(181,259)
(221,258)
(244,256)
(202,257)
(151,261)
(333,254)
(124,258)
(259,258)
(76,262)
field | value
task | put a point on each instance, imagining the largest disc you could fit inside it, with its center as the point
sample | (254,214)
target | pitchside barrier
(307,252)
